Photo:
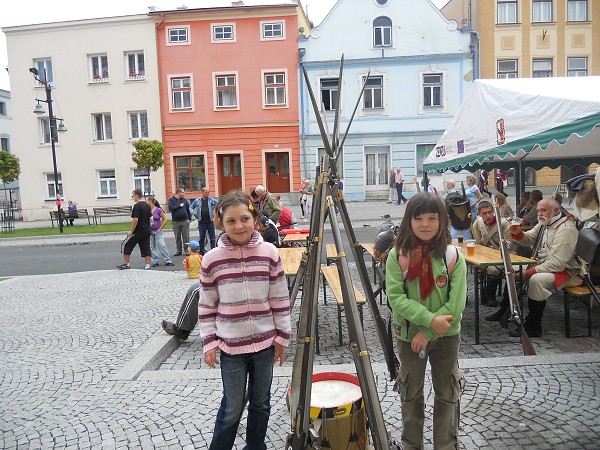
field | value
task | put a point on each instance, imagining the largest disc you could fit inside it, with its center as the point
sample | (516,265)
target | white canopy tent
(524,122)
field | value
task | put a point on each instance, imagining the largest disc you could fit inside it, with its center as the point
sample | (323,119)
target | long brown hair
(423,203)
(233,198)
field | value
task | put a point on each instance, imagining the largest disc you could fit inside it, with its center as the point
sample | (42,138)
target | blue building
(420,65)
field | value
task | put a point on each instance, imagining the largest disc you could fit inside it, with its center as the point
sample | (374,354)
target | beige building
(533,38)
(104,79)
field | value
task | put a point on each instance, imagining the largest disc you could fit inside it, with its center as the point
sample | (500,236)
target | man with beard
(556,268)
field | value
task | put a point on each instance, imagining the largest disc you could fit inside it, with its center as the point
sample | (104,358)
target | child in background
(427,288)
(193,261)
(243,284)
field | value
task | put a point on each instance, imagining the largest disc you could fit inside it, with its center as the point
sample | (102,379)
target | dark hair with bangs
(233,198)
(423,203)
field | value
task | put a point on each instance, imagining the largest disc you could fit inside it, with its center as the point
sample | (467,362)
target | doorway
(278,171)
(230,172)
(377,168)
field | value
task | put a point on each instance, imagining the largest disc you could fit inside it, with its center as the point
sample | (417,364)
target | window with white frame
(102,127)
(542,68)
(190,172)
(181,93)
(138,125)
(4,143)
(373,95)
(577,10)
(46,131)
(2,108)
(178,35)
(275,89)
(507,11)
(107,183)
(44,67)
(50,186)
(135,66)
(226,88)
(141,181)
(577,67)
(382,32)
(272,30)
(223,32)
(98,68)
(542,11)
(432,90)
(507,68)
(329,94)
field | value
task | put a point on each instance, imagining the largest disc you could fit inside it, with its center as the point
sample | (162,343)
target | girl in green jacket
(426,287)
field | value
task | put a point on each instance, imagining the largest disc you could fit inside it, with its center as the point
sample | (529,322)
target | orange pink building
(228,94)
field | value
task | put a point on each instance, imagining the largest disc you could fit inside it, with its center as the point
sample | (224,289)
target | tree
(148,155)
(10,169)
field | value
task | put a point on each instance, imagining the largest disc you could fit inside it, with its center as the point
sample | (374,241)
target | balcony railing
(100,78)
(136,76)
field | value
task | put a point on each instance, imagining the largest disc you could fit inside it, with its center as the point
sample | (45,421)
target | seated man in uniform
(485,232)
(557,266)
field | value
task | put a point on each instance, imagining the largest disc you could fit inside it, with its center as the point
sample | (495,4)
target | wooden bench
(584,294)
(66,216)
(332,277)
(110,211)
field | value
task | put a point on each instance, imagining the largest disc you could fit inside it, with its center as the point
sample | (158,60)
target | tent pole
(519,182)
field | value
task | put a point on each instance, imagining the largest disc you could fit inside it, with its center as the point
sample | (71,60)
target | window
(107,183)
(329,94)
(102,127)
(138,125)
(223,32)
(178,35)
(98,68)
(382,2)
(432,90)
(507,69)
(44,67)
(45,131)
(141,181)
(4,144)
(373,96)
(577,10)
(576,67)
(190,173)
(275,89)
(135,67)
(181,93)
(542,68)
(542,11)
(507,11)
(272,30)
(382,32)
(2,108)
(50,187)
(226,91)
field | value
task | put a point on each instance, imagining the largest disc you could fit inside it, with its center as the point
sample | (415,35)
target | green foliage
(148,155)
(10,168)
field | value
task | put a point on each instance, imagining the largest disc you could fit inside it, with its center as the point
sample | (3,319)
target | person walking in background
(393,194)
(500,182)
(192,262)
(308,193)
(203,209)
(474,196)
(399,183)
(427,290)
(139,233)
(157,238)
(483,182)
(301,198)
(253,325)
(180,219)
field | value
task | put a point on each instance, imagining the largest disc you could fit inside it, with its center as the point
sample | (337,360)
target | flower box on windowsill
(98,79)
(136,76)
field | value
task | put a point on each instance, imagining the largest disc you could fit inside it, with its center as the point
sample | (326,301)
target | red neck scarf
(419,265)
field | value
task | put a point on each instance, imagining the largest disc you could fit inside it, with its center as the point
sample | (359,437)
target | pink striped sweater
(244,303)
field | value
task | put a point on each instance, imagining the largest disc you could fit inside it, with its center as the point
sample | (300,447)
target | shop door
(278,172)
(230,173)
(377,170)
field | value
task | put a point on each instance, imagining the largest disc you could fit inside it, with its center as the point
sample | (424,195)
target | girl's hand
(419,342)
(210,358)
(441,324)
(279,353)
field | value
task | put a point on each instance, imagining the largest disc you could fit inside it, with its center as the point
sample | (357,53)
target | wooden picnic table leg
(476,271)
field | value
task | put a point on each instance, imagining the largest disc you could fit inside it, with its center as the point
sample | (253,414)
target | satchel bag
(588,246)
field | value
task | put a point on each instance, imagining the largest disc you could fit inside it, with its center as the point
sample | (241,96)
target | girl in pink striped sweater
(243,311)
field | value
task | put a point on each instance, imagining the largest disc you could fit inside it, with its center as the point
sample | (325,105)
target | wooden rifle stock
(515,310)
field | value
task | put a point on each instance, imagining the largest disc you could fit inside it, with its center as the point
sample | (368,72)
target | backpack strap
(450,258)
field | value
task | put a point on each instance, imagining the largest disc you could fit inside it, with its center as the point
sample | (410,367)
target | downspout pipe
(301,53)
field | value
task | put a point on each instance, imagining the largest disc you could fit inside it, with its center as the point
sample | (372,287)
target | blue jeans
(157,244)
(235,369)
(202,229)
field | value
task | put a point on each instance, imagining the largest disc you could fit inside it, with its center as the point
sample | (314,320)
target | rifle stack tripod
(327,197)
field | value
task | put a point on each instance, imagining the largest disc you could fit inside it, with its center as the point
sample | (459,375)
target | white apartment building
(9,191)
(104,79)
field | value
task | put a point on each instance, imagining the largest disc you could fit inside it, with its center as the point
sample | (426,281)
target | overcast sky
(25,12)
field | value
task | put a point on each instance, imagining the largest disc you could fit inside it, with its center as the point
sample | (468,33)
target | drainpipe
(301,53)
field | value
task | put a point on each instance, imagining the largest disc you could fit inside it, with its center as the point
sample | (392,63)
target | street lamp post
(53,137)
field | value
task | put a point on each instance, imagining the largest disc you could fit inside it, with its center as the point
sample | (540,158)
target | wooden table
(290,258)
(487,257)
(295,237)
